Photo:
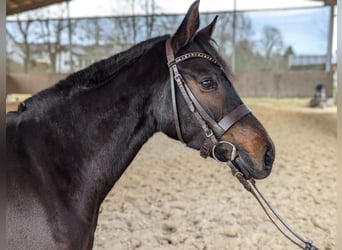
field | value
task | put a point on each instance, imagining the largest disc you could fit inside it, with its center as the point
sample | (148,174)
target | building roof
(327,2)
(296,60)
(17,6)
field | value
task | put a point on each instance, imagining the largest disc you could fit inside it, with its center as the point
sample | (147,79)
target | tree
(24,29)
(150,10)
(52,37)
(243,44)
(125,31)
(288,52)
(43,36)
(272,41)
(52,32)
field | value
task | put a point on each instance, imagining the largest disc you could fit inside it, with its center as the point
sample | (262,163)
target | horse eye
(208,84)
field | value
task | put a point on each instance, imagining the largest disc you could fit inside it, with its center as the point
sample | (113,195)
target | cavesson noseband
(212,129)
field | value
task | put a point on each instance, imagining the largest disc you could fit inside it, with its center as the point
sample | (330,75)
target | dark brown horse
(69,144)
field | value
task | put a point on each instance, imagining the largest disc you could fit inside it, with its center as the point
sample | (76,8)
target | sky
(86,8)
(310,33)
(91,8)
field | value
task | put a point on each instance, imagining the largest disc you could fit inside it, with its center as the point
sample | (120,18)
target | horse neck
(97,133)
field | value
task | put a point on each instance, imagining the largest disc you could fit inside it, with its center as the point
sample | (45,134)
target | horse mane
(93,76)
(102,72)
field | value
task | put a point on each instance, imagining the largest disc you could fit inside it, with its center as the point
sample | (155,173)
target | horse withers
(69,144)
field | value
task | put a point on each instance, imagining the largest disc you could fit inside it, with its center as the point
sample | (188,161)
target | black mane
(102,72)
(93,76)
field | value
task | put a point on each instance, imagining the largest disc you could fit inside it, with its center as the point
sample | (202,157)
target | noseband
(213,130)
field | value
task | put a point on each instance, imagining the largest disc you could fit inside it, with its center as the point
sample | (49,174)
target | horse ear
(187,30)
(208,31)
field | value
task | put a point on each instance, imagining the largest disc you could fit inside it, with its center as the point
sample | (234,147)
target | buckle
(205,149)
(171,63)
(209,133)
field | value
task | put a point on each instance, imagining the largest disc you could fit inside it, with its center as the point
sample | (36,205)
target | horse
(68,144)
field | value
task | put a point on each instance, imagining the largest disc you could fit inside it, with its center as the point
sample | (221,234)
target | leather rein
(214,130)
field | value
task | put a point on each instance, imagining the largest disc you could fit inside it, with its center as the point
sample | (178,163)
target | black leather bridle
(213,130)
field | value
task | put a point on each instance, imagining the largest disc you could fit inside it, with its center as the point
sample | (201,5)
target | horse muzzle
(253,168)
(249,166)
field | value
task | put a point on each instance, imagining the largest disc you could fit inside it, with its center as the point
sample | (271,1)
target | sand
(171,198)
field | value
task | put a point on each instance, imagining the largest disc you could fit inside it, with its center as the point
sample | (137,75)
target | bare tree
(134,25)
(150,11)
(243,46)
(43,36)
(24,29)
(129,30)
(124,37)
(223,33)
(272,41)
(91,31)
(167,24)
(51,33)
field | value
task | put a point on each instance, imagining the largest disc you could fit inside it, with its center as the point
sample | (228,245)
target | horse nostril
(269,158)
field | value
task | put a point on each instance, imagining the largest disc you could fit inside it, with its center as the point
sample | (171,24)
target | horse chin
(249,169)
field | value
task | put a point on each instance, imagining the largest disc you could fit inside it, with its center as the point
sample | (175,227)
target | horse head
(207,109)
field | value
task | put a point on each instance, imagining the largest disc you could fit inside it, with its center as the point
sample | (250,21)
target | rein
(251,187)
(214,130)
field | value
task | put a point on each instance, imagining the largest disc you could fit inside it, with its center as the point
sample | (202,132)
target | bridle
(213,130)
